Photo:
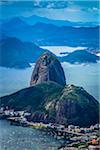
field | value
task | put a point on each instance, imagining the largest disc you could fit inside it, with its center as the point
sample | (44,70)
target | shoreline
(57,133)
(71,135)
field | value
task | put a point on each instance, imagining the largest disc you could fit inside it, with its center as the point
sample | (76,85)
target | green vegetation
(52,102)
(79,144)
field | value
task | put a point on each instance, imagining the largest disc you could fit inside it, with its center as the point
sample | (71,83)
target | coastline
(73,137)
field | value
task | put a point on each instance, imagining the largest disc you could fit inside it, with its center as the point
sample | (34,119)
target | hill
(18,54)
(51,102)
(80,56)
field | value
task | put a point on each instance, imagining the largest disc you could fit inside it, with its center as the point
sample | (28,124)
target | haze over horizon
(75,11)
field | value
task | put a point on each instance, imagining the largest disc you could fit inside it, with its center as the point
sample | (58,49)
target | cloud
(96,9)
(53,9)
(73,10)
(54,4)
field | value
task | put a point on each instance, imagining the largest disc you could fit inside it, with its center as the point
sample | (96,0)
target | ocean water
(85,75)
(22,138)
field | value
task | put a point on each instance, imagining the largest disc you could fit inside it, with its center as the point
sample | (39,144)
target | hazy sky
(82,10)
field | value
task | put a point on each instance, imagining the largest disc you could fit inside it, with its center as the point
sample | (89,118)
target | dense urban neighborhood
(73,136)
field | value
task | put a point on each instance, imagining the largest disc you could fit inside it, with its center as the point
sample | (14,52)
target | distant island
(80,56)
(20,54)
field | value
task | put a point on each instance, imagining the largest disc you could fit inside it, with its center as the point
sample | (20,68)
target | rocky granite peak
(48,68)
(50,100)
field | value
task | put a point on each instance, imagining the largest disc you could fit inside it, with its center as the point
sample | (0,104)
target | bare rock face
(48,68)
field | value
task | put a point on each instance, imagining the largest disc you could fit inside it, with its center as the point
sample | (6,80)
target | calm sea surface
(22,138)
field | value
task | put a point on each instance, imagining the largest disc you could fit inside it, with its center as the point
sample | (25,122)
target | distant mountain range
(20,35)
(50,34)
(17,54)
(35,19)
(31,20)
